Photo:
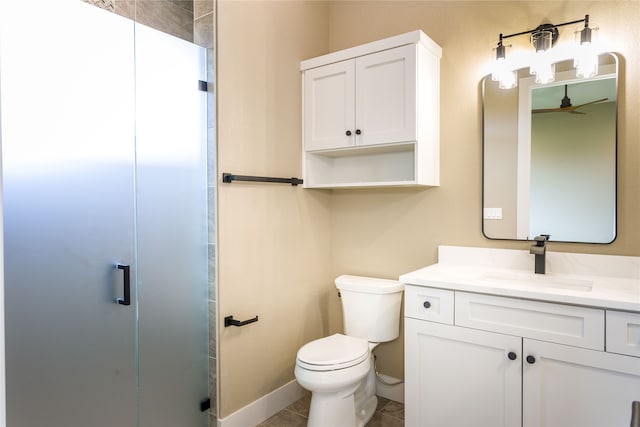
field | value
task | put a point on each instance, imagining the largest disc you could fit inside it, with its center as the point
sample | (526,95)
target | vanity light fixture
(542,66)
(543,38)
(586,58)
(502,73)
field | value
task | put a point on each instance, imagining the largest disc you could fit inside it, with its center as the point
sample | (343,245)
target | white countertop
(496,278)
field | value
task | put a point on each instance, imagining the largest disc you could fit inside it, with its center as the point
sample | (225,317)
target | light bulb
(508,80)
(545,72)
(586,64)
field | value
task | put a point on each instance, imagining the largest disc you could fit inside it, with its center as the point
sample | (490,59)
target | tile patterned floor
(388,414)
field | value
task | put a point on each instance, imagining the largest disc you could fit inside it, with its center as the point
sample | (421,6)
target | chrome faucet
(540,250)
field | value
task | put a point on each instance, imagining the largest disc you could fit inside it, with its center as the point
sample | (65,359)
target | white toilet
(338,370)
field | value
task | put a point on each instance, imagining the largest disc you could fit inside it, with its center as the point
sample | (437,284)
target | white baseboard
(272,403)
(395,392)
(265,407)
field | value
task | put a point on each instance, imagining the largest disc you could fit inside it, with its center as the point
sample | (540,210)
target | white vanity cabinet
(371,115)
(500,361)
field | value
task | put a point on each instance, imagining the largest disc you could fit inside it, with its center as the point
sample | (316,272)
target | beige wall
(274,241)
(281,247)
(400,230)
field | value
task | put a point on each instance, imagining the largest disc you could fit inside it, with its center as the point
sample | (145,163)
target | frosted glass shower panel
(68,151)
(104,163)
(171,229)
(65,101)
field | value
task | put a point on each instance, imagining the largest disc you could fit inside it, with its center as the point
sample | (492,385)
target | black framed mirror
(550,156)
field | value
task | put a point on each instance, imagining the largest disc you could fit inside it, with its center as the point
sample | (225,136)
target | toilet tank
(370,307)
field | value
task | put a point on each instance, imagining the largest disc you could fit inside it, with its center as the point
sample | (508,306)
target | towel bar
(229,177)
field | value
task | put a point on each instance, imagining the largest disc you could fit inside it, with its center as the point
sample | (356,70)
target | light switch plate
(492,213)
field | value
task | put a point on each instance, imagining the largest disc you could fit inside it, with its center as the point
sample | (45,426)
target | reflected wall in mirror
(549,156)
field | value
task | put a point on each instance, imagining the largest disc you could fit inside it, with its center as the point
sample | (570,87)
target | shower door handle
(127,284)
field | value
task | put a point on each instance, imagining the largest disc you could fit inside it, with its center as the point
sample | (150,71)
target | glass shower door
(171,229)
(68,181)
(104,166)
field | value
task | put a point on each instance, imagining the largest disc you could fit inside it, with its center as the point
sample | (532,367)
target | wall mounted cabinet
(371,114)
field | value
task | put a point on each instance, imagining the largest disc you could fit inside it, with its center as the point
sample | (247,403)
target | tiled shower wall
(191,20)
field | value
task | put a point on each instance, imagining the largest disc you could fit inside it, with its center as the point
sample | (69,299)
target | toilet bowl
(339,369)
(333,369)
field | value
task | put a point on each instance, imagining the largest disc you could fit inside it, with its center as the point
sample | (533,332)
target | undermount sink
(538,280)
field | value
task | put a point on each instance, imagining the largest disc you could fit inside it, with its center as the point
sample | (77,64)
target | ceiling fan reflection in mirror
(565,105)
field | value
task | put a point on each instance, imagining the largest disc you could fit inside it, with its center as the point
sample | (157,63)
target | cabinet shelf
(392,165)
(365,150)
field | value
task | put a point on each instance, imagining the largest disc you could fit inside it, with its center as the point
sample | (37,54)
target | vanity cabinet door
(570,386)
(461,377)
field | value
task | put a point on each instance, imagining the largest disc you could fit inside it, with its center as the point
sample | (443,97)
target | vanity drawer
(623,333)
(431,304)
(564,324)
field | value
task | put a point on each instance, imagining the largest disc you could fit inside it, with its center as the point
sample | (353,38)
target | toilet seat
(333,353)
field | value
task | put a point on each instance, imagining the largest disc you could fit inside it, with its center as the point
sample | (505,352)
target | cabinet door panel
(461,377)
(569,386)
(386,96)
(329,106)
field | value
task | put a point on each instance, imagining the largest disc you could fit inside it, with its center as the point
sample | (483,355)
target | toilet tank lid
(370,285)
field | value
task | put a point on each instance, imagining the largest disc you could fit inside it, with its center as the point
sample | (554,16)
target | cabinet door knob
(348,133)
(512,355)
(426,304)
(531,360)
(358,131)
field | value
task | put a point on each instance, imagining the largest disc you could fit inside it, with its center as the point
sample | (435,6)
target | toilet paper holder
(230,321)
